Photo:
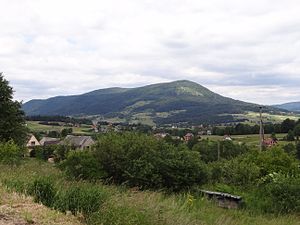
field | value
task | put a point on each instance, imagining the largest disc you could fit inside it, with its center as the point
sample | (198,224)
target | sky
(248,50)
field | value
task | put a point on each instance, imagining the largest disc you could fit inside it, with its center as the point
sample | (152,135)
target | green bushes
(247,169)
(59,152)
(10,153)
(142,161)
(276,193)
(209,150)
(82,165)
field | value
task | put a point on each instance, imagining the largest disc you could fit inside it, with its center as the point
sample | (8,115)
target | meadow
(35,126)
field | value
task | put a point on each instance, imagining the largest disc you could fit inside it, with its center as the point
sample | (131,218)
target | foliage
(298,150)
(278,194)
(12,121)
(247,169)
(43,152)
(290,136)
(66,131)
(227,149)
(297,131)
(82,165)
(289,149)
(80,198)
(10,153)
(141,160)
(43,191)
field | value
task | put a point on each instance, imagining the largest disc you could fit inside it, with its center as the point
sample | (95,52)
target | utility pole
(218,150)
(261,130)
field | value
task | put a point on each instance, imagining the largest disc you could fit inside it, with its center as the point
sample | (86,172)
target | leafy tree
(290,136)
(10,153)
(54,134)
(142,161)
(66,131)
(298,150)
(297,131)
(287,125)
(12,120)
(289,149)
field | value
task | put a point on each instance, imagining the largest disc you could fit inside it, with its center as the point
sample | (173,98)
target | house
(188,137)
(270,142)
(45,141)
(227,138)
(78,142)
(32,142)
(224,200)
(160,135)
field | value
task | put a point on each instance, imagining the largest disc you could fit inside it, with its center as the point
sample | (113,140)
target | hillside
(164,103)
(291,106)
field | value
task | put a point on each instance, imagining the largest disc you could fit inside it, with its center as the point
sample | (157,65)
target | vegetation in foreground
(120,205)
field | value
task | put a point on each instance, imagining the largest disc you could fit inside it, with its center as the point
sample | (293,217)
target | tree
(290,136)
(297,131)
(12,118)
(298,151)
(287,125)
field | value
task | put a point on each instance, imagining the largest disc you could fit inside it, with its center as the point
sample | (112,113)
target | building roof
(49,140)
(76,141)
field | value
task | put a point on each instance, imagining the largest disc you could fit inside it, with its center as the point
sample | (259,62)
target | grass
(253,117)
(20,209)
(130,207)
(34,126)
(249,139)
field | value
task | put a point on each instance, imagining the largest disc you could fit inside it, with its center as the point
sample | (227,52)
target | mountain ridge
(180,101)
(290,106)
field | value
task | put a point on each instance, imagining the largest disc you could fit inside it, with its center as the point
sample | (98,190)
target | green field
(253,117)
(34,126)
(250,139)
(131,207)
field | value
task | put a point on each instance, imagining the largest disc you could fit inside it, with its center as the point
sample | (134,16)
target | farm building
(188,137)
(79,142)
(45,141)
(32,142)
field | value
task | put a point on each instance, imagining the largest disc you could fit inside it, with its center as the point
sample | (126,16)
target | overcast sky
(244,49)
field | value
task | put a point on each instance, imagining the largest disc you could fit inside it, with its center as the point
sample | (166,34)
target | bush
(245,170)
(277,194)
(43,191)
(209,150)
(80,198)
(82,165)
(142,161)
(10,153)
(44,152)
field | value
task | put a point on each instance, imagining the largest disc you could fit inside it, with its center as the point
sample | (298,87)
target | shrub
(142,161)
(277,194)
(82,165)
(43,191)
(10,153)
(44,152)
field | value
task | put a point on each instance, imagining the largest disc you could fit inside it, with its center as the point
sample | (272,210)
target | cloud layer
(247,50)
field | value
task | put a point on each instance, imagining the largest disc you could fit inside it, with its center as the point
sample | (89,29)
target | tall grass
(113,205)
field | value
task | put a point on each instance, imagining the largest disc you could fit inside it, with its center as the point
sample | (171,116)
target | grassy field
(131,207)
(34,126)
(253,117)
(250,139)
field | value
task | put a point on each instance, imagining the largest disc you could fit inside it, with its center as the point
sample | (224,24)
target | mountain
(165,103)
(291,106)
